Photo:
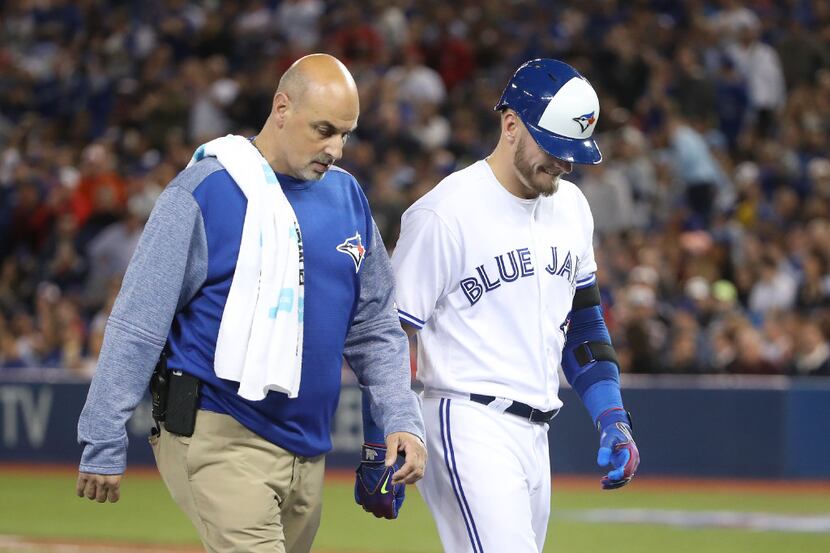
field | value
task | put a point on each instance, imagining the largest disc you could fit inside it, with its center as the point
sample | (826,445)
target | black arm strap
(588,352)
(586,297)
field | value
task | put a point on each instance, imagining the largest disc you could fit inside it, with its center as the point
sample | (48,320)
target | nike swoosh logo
(383,489)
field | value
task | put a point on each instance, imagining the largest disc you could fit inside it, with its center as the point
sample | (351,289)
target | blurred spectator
(631,158)
(802,54)
(110,252)
(694,89)
(30,216)
(415,82)
(760,65)
(750,356)
(212,92)
(298,21)
(101,191)
(697,169)
(813,351)
(814,288)
(610,196)
(731,102)
(430,128)
(626,73)
(775,288)
(778,333)
(687,350)
(356,41)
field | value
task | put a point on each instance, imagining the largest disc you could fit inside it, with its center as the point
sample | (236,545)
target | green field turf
(43,506)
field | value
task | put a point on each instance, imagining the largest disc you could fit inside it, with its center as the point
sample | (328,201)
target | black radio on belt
(175,398)
(158,387)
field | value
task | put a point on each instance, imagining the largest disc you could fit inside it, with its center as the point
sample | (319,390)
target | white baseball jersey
(489,279)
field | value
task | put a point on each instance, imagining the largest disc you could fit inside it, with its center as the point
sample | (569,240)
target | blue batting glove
(373,487)
(617,448)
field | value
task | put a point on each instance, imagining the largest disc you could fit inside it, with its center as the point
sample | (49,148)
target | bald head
(314,111)
(319,76)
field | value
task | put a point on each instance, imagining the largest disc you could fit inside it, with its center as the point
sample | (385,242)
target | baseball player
(495,272)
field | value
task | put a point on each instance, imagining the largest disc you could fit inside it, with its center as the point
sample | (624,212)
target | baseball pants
(487,480)
(240,491)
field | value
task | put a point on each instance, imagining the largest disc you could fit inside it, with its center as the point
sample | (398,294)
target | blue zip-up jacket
(175,291)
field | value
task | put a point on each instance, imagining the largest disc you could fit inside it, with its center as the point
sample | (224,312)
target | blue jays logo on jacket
(353,247)
(585,121)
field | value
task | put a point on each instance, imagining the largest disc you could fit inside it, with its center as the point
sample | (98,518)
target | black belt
(519,409)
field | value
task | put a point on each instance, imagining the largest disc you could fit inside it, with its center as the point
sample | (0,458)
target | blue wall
(700,430)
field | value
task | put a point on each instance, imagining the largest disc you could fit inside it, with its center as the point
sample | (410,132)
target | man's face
(537,171)
(318,129)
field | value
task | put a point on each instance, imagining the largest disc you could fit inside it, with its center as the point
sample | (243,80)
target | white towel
(260,342)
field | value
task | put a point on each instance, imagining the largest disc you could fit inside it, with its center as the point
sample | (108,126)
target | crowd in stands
(712,205)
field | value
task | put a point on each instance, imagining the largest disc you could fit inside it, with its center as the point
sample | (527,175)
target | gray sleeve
(167,268)
(377,348)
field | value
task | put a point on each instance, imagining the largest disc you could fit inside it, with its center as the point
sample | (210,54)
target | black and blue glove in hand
(373,487)
(617,448)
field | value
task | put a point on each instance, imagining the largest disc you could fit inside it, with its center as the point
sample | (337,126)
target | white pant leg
(482,482)
(540,494)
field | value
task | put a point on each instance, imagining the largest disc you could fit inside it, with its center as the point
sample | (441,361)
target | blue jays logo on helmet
(549,96)
(353,247)
(585,121)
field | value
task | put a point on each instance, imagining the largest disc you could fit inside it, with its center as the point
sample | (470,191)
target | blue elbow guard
(588,356)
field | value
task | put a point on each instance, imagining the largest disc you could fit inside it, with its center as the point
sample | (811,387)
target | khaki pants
(242,493)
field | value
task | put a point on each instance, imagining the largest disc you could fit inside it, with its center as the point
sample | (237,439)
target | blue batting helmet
(558,106)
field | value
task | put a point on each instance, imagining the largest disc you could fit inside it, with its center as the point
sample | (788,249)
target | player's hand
(617,448)
(415,455)
(100,487)
(373,487)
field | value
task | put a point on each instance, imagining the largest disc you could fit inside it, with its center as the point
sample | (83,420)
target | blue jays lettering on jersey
(300,425)
(520,266)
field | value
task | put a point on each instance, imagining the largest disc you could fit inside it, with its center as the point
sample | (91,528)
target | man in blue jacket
(250,473)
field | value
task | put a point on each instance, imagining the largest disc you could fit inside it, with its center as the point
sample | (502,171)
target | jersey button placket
(540,290)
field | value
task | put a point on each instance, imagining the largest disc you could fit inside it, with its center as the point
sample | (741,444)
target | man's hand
(380,482)
(415,455)
(617,448)
(100,487)
(373,487)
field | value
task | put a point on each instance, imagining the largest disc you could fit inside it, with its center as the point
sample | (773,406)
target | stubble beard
(531,178)
(309,174)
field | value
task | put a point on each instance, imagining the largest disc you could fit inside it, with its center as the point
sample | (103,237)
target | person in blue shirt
(250,475)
